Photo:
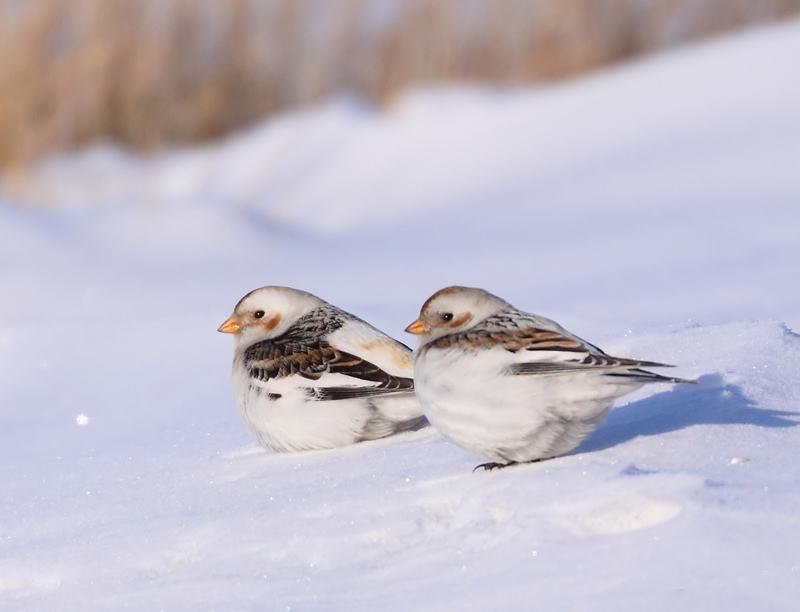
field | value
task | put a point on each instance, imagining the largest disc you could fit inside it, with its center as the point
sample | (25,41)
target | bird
(510,385)
(308,375)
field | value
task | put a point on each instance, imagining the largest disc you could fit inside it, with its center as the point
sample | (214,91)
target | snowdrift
(654,210)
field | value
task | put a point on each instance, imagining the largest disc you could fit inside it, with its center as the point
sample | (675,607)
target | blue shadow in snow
(710,402)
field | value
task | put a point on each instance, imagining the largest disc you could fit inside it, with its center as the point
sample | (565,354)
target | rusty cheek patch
(272,322)
(460,320)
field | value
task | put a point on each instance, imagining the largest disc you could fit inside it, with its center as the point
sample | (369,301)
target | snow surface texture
(654,210)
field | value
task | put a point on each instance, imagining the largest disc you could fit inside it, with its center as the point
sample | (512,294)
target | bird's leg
(493,465)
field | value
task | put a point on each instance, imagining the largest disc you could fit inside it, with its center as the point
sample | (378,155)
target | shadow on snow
(710,402)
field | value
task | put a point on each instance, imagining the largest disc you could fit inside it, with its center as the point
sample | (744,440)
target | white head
(268,312)
(454,309)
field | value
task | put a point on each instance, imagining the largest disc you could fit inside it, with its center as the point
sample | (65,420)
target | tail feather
(639,363)
(645,376)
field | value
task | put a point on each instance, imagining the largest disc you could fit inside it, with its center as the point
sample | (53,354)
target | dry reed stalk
(153,72)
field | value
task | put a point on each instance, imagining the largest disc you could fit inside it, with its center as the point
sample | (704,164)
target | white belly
(510,418)
(292,422)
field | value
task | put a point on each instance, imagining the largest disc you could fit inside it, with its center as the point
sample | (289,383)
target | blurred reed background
(149,73)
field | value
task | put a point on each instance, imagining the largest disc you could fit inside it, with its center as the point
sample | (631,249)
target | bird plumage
(511,385)
(320,377)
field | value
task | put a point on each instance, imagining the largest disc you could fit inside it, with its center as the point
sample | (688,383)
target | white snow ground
(654,210)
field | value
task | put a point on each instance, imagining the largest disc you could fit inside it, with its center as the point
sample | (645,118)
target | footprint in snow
(620,514)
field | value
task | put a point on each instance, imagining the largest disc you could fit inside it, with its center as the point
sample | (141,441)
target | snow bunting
(307,375)
(511,385)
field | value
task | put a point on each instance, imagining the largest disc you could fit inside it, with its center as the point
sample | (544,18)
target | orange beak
(230,325)
(418,327)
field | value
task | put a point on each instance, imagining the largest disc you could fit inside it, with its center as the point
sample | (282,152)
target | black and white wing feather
(541,347)
(303,351)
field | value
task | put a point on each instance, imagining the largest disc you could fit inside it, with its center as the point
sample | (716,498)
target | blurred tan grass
(153,72)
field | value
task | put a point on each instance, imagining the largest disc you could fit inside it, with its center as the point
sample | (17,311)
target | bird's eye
(447,316)
(259,314)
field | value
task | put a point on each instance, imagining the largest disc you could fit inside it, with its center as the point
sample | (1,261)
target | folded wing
(313,359)
(539,351)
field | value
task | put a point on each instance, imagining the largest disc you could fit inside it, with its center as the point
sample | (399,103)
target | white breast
(469,398)
(292,422)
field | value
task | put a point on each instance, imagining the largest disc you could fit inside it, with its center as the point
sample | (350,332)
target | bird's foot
(492,465)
